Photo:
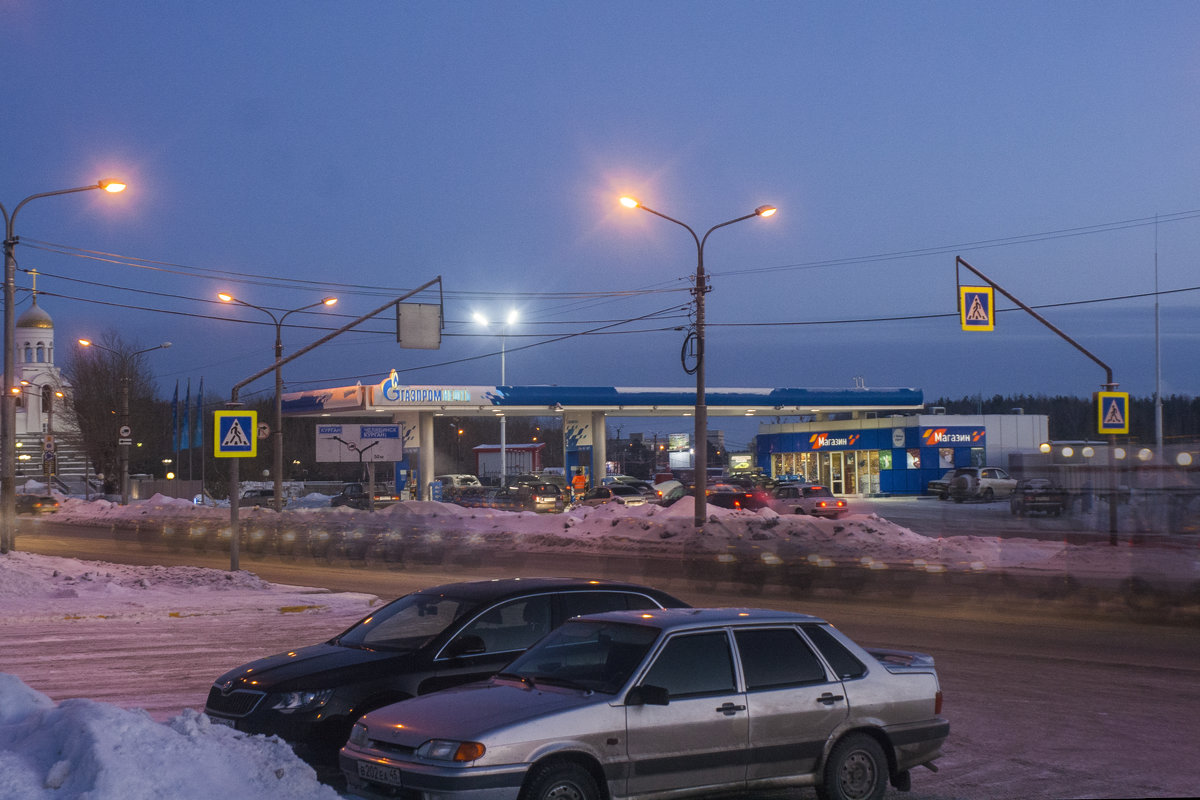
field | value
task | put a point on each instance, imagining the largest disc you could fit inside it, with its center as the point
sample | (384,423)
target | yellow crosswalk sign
(1112,412)
(976,308)
(236,434)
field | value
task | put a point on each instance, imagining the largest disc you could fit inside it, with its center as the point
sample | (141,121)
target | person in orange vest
(578,484)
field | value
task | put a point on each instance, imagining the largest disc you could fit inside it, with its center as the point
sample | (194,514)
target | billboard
(359,443)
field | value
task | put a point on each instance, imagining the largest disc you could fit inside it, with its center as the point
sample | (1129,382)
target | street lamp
(8,414)
(699,290)
(124,439)
(277,434)
(508,322)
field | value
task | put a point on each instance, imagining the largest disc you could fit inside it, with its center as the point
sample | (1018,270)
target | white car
(620,493)
(981,483)
(806,498)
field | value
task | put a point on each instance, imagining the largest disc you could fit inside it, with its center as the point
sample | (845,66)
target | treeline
(1075,417)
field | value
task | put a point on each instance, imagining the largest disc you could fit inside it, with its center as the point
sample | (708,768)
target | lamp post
(508,322)
(8,414)
(125,438)
(699,290)
(277,434)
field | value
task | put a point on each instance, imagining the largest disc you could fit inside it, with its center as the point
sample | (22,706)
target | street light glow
(766,211)
(630,202)
(112,186)
(225,298)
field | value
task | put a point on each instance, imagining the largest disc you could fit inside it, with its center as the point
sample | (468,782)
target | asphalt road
(1046,699)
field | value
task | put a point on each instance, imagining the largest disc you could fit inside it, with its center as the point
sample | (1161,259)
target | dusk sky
(286,151)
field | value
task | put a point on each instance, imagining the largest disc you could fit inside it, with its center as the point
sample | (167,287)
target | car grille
(235,704)
(390,748)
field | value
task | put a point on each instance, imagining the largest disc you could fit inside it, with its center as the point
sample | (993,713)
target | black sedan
(422,642)
(1037,495)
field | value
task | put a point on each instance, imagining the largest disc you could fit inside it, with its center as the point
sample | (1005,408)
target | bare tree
(96,375)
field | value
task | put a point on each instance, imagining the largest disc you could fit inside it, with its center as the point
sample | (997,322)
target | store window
(946,457)
(914,458)
(978,456)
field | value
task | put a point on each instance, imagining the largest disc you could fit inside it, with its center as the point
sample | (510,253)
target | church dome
(34,317)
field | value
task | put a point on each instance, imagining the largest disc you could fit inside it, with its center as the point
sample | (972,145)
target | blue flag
(175,418)
(198,437)
(186,437)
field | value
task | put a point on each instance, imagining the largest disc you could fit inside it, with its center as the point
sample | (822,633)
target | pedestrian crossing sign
(1112,412)
(977,308)
(236,434)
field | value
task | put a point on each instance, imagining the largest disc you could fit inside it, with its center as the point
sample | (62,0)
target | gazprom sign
(392,391)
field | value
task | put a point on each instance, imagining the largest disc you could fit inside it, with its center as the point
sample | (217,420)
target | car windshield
(408,623)
(599,656)
(622,488)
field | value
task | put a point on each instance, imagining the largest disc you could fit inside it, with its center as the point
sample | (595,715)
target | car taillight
(937,702)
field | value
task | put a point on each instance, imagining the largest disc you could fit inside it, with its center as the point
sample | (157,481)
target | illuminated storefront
(895,455)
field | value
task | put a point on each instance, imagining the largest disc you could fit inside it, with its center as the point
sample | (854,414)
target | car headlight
(451,750)
(290,702)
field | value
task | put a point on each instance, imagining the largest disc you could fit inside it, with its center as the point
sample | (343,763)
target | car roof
(677,619)
(501,588)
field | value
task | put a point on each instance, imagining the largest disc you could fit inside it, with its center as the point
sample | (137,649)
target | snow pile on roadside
(37,586)
(81,748)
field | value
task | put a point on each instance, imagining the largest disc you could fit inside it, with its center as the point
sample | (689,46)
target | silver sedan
(664,702)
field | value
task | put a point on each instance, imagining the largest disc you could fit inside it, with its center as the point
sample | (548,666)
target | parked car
(261,498)
(806,498)
(422,642)
(36,504)
(615,492)
(1038,495)
(452,485)
(354,495)
(542,497)
(980,483)
(665,704)
(940,487)
(668,492)
(724,495)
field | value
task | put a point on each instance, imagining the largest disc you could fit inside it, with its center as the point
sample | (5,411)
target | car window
(817,491)
(511,626)
(695,664)
(599,655)
(845,664)
(775,657)
(577,604)
(405,624)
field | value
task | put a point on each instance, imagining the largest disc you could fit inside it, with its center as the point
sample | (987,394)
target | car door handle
(829,699)
(730,709)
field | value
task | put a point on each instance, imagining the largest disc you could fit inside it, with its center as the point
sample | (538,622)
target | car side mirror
(465,645)
(647,695)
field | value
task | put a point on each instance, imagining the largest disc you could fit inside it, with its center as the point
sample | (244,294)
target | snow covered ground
(143,747)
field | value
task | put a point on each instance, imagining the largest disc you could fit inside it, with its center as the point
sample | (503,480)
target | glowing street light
(508,323)
(277,434)
(700,461)
(8,411)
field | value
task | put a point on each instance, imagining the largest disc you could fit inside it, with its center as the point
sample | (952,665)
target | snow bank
(84,749)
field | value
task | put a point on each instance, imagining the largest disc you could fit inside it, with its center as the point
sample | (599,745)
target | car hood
(470,712)
(312,667)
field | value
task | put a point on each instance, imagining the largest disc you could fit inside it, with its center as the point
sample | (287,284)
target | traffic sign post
(977,308)
(1112,412)
(236,434)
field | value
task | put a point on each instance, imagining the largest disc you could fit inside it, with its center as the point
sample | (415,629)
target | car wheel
(856,770)
(561,782)
(988,495)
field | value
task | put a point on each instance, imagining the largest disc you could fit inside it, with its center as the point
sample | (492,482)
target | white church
(40,425)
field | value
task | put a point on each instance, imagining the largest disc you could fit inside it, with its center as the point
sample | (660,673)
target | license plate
(379,773)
